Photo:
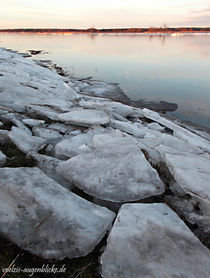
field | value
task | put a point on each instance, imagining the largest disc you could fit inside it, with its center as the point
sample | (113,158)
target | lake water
(149,67)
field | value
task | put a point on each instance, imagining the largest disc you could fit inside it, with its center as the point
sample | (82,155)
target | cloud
(202,20)
(197,17)
(200,11)
(109,13)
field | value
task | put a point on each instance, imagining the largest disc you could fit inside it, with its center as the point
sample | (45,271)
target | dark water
(162,68)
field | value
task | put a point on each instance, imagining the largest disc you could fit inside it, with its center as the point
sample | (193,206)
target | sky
(103,13)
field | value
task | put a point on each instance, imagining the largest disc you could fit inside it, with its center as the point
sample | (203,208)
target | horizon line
(93,29)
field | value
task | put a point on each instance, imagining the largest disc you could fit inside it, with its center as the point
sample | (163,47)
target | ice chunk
(70,147)
(60,127)
(179,131)
(131,128)
(22,126)
(155,126)
(33,123)
(150,240)
(192,173)
(194,139)
(85,117)
(111,106)
(2,159)
(115,170)
(4,139)
(25,142)
(48,164)
(43,111)
(51,136)
(45,218)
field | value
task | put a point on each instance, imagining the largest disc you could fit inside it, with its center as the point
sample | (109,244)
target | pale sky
(103,13)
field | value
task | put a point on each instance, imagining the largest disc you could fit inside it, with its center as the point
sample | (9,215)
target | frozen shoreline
(114,153)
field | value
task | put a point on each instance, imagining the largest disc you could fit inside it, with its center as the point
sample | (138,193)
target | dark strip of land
(114,30)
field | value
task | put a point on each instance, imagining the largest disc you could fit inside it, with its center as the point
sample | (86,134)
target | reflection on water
(157,67)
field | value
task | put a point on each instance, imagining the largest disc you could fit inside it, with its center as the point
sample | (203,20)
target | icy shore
(114,153)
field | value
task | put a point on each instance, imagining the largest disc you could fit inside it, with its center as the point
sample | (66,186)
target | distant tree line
(163,29)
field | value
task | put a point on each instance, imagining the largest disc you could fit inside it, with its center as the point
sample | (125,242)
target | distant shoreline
(166,30)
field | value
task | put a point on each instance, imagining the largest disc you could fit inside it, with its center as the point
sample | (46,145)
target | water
(166,68)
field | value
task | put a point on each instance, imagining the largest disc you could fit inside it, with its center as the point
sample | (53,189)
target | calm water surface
(172,69)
